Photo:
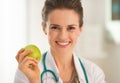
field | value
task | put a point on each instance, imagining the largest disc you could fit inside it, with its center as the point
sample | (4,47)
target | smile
(62,43)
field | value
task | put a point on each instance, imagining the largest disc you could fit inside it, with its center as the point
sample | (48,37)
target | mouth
(63,44)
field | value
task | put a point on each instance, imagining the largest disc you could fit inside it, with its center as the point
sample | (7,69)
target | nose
(63,34)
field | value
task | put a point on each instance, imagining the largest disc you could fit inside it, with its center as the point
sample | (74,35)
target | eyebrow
(54,25)
(59,25)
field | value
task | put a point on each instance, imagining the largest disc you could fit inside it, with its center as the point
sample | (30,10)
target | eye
(54,27)
(71,28)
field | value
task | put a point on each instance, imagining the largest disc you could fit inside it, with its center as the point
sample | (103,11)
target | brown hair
(51,5)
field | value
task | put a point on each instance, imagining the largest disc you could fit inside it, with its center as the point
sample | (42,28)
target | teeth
(63,43)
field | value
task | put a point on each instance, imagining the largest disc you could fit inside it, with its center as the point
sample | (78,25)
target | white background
(12,36)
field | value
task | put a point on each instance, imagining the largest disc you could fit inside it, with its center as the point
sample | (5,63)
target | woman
(62,23)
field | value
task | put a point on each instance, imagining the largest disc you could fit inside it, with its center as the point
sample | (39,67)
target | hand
(28,65)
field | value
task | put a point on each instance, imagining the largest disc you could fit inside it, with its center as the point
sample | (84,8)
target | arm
(20,77)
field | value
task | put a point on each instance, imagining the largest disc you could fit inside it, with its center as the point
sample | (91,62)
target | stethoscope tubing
(47,70)
(85,74)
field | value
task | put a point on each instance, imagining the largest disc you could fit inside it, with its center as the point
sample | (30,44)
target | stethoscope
(53,73)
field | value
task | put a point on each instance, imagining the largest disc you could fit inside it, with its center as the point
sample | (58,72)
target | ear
(44,27)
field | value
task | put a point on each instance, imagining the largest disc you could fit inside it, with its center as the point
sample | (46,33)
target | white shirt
(94,73)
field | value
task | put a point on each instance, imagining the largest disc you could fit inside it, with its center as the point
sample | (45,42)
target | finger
(29,61)
(23,55)
(20,51)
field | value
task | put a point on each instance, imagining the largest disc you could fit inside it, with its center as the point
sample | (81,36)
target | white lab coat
(94,73)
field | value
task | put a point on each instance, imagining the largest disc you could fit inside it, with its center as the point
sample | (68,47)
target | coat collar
(79,69)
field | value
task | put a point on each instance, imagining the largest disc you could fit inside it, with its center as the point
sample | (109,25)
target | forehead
(63,17)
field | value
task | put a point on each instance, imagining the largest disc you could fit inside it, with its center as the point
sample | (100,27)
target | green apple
(36,52)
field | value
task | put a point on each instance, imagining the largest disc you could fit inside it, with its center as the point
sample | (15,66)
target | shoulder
(94,72)
(90,65)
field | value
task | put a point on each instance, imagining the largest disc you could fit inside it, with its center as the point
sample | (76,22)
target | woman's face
(62,29)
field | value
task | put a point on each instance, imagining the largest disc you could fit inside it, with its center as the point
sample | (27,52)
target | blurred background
(20,24)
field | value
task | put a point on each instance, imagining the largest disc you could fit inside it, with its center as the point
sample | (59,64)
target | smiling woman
(66,32)
(62,22)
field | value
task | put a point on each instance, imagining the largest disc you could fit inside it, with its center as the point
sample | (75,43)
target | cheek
(75,36)
(51,36)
